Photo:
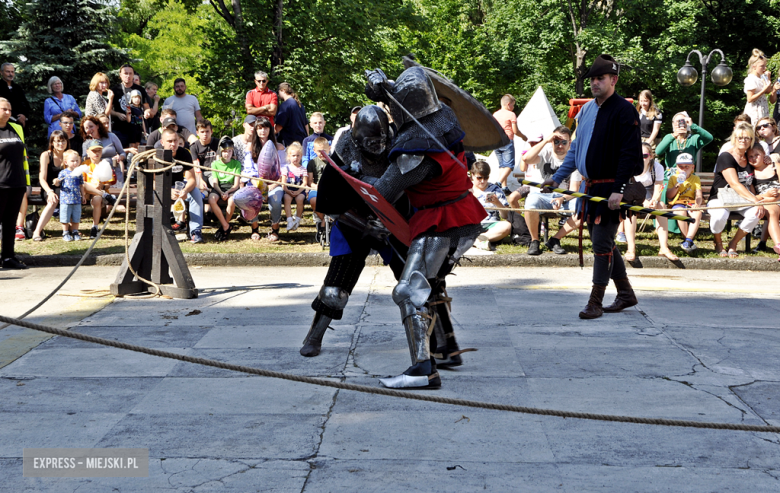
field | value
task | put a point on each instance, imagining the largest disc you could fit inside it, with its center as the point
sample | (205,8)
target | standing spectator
(135,115)
(262,134)
(317,123)
(119,123)
(96,103)
(766,133)
(758,84)
(153,121)
(491,197)
(71,183)
(352,116)
(506,155)
(607,152)
(67,122)
(650,117)
(168,116)
(261,101)
(291,118)
(93,128)
(185,105)
(14,180)
(540,163)
(136,79)
(50,166)
(14,93)
(734,171)
(686,137)
(57,104)
(684,191)
(294,174)
(184,173)
(726,147)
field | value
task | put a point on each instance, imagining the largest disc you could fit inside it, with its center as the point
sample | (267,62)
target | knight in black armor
(429,168)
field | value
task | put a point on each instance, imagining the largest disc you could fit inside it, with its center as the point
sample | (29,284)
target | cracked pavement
(701,345)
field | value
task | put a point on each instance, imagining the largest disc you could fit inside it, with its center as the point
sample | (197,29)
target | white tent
(537,117)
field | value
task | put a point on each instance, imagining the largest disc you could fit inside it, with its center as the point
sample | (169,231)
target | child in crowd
(294,174)
(490,196)
(317,124)
(223,186)
(98,194)
(683,191)
(71,183)
(314,171)
(135,115)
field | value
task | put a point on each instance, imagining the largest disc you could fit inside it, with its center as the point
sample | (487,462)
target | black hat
(603,64)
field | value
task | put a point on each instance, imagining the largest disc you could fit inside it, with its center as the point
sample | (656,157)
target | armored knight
(427,164)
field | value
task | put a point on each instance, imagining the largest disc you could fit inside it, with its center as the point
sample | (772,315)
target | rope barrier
(389,392)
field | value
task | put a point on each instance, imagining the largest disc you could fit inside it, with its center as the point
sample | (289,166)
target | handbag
(729,196)
(30,221)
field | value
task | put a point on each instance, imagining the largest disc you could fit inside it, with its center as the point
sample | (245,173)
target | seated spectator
(290,121)
(168,117)
(352,116)
(294,174)
(96,102)
(491,197)
(97,193)
(92,128)
(314,171)
(223,186)
(262,134)
(204,152)
(734,173)
(767,186)
(682,192)
(184,173)
(57,104)
(686,137)
(71,183)
(540,163)
(317,123)
(726,147)
(67,122)
(50,166)
(646,190)
(521,191)
(761,246)
(767,133)
(241,141)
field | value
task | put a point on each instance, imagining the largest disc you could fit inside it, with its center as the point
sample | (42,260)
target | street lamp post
(687,75)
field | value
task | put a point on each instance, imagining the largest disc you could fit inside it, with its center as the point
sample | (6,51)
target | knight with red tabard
(447,217)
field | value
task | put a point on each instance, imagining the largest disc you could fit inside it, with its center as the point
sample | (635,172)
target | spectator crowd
(89,150)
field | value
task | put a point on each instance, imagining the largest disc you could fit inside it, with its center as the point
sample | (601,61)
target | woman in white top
(96,103)
(758,84)
(652,182)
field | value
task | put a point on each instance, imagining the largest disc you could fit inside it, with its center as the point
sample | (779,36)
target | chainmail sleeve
(392,184)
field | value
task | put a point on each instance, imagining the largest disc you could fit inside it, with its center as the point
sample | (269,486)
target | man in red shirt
(261,101)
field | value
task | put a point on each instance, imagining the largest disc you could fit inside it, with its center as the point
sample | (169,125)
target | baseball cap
(94,143)
(535,137)
(168,122)
(684,158)
(355,109)
(250,119)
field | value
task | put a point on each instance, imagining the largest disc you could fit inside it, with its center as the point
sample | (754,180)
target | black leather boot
(625,297)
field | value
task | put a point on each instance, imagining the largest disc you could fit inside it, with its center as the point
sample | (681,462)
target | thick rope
(390,392)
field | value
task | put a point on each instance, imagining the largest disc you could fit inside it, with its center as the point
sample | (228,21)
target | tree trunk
(247,61)
(579,69)
(277,55)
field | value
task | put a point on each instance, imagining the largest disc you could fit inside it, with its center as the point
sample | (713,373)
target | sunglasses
(645,155)
(480,178)
(560,142)
(763,125)
(262,81)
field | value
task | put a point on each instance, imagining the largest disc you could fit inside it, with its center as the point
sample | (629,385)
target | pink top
(506,118)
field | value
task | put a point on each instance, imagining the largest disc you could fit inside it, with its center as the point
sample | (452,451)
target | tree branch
(223,12)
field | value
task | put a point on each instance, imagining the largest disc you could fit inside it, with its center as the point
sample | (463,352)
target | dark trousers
(10,202)
(606,266)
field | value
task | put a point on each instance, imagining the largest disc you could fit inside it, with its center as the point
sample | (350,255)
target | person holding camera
(758,84)
(686,137)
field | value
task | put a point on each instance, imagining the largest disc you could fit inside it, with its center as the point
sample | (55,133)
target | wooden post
(155,253)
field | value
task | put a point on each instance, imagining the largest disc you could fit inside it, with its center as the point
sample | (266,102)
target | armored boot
(313,341)
(594,309)
(422,374)
(625,297)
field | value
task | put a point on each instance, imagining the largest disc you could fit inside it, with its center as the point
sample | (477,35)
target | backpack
(520,234)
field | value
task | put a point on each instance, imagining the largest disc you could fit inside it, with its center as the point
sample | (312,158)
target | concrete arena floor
(701,345)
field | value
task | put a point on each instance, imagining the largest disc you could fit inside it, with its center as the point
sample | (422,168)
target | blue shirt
(70,187)
(292,119)
(53,106)
(308,147)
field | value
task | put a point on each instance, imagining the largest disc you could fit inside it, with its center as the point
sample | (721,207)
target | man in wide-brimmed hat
(607,152)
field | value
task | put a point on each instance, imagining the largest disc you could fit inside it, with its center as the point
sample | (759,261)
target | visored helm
(414,91)
(372,132)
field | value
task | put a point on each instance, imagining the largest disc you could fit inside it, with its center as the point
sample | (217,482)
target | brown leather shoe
(593,309)
(625,297)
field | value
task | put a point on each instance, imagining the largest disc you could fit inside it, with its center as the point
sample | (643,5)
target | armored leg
(333,299)
(425,258)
